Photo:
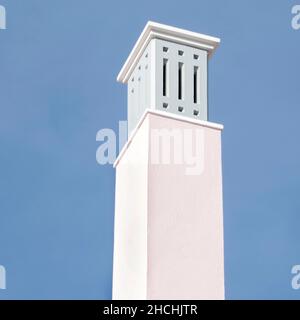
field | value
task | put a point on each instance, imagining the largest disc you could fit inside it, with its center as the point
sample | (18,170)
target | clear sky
(58,67)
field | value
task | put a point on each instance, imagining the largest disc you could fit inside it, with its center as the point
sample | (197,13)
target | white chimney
(168,204)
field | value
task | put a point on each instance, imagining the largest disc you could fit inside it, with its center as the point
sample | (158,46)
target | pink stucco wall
(185,222)
(169,217)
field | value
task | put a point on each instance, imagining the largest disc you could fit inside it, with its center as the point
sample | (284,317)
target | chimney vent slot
(180,80)
(165,77)
(196,70)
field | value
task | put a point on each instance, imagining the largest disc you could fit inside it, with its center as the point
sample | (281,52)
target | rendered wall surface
(169,221)
(131,208)
(185,223)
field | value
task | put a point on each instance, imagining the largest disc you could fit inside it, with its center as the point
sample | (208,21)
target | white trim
(164,114)
(156,30)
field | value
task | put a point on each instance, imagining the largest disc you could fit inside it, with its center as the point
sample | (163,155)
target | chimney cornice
(161,31)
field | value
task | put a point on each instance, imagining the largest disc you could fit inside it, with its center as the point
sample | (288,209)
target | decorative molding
(160,31)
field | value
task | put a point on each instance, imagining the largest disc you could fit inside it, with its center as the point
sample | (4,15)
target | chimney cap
(161,31)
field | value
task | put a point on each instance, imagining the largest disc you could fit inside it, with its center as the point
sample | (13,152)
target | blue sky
(58,64)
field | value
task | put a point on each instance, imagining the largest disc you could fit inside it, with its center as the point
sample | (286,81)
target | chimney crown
(167,71)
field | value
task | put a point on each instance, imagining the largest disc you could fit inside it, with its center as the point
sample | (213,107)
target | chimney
(168,205)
